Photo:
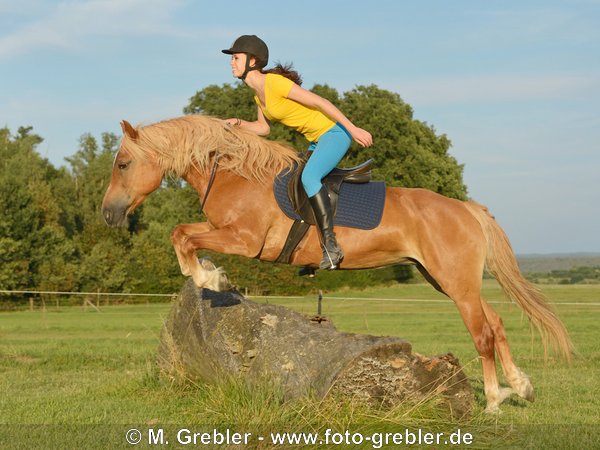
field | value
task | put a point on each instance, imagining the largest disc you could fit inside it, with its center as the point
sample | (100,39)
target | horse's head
(135,175)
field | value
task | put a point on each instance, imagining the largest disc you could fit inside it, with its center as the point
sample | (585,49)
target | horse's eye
(123,165)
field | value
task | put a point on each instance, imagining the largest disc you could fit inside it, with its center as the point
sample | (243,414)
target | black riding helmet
(252,46)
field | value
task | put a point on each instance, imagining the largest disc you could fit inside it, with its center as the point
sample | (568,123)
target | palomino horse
(450,241)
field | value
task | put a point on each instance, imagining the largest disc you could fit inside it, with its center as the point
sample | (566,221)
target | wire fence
(36,299)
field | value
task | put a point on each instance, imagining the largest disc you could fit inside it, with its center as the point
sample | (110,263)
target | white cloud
(69,24)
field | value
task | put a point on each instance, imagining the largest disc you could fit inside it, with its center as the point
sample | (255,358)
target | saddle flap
(297,194)
(289,189)
(333,181)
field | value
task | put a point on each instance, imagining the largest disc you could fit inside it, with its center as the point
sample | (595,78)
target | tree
(156,268)
(34,250)
(406,152)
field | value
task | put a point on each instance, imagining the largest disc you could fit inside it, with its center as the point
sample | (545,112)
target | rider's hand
(363,137)
(234,122)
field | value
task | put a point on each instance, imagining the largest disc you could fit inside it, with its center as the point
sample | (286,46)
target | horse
(450,241)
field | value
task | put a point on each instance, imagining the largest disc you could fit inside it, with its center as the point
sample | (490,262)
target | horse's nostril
(107,216)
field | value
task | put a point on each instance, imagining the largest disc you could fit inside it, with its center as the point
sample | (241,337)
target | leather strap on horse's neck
(213,172)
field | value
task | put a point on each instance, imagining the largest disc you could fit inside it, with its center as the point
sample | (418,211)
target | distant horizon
(565,255)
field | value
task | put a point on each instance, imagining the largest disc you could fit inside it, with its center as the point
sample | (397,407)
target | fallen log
(209,334)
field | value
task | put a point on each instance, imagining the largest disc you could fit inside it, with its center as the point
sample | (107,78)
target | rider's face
(238,63)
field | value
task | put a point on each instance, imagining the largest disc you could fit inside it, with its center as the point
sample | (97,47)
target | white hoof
(209,276)
(493,409)
(523,387)
(495,399)
(504,394)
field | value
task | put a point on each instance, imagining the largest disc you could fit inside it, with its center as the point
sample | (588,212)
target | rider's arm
(260,126)
(312,100)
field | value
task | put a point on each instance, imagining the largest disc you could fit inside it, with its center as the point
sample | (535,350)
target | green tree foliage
(103,252)
(33,246)
(406,152)
(575,275)
(155,268)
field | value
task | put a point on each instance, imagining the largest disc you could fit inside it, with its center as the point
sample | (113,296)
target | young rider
(279,97)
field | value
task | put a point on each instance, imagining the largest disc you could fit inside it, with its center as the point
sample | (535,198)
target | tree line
(575,275)
(53,236)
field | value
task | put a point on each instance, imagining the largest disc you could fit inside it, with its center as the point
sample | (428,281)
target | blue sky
(515,85)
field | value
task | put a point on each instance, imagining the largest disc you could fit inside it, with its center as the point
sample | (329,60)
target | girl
(279,97)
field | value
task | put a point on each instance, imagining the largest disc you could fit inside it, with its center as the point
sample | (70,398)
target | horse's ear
(129,130)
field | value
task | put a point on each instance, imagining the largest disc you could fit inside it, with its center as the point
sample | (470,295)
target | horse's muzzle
(115,216)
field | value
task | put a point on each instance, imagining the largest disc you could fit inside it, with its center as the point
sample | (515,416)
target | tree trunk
(209,334)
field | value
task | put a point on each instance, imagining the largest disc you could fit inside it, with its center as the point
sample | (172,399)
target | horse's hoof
(504,394)
(211,277)
(523,387)
(528,393)
(493,409)
(207,264)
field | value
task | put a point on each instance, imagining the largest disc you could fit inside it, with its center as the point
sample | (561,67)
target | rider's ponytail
(286,70)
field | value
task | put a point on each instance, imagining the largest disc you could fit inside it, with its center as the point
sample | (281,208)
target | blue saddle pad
(359,205)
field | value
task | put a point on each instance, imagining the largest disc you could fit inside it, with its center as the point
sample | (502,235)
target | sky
(515,85)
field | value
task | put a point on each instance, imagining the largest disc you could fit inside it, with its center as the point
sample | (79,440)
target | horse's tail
(502,264)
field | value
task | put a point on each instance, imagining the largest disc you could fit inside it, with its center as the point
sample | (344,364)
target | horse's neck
(227,186)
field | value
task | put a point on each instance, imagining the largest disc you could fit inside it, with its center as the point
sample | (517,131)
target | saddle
(356,201)
(332,182)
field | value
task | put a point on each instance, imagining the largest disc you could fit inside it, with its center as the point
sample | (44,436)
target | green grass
(87,374)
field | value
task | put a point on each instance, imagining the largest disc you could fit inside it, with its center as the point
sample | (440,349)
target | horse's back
(426,220)
(425,205)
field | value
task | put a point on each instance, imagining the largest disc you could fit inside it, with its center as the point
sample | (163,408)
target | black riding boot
(332,253)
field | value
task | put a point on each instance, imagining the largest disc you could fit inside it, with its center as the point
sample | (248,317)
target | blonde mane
(191,141)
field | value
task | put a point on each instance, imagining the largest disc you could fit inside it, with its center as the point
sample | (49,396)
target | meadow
(75,378)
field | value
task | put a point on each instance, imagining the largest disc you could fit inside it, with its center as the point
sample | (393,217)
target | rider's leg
(327,153)
(321,206)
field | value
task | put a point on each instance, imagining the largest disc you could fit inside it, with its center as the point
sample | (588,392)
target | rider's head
(254,48)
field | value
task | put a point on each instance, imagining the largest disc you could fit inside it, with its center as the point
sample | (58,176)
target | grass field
(71,378)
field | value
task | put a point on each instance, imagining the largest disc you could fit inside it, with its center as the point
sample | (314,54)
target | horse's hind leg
(473,316)
(466,297)
(518,380)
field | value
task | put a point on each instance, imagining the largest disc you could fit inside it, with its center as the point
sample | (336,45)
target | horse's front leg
(204,273)
(188,238)
(178,238)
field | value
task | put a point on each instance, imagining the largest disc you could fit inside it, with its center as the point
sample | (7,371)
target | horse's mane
(191,141)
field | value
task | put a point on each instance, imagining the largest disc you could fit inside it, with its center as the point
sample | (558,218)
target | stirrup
(331,260)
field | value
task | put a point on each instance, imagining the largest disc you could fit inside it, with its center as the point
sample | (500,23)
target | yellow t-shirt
(309,122)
